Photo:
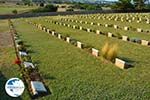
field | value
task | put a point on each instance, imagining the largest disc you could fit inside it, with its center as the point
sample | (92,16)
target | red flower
(17,61)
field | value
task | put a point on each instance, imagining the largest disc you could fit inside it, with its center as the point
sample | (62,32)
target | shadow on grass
(48,77)
(128,61)
(37,62)
(3,94)
(31,51)
(27,45)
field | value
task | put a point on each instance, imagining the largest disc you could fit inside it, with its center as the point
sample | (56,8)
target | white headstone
(106,25)
(139,30)
(23,53)
(59,36)
(68,39)
(68,25)
(145,42)
(110,34)
(95,52)
(97,31)
(115,26)
(120,63)
(126,28)
(53,33)
(37,87)
(80,28)
(125,38)
(88,30)
(74,26)
(28,64)
(48,30)
(79,44)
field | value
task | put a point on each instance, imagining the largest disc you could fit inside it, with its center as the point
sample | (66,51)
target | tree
(139,4)
(27,2)
(15,11)
(47,8)
(41,4)
(123,5)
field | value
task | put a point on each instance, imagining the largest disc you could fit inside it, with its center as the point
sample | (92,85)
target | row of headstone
(122,64)
(116,18)
(106,25)
(127,20)
(36,85)
(109,34)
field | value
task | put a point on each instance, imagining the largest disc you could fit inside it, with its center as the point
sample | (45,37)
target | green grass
(7,67)
(4,26)
(127,50)
(4,9)
(130,33)
(74,74)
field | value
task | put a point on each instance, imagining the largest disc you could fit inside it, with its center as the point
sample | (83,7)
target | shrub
(22,48)
(41,4)
(109,51)
(70,9)
(105,49)
(15,11)
(112,53)
(47,8)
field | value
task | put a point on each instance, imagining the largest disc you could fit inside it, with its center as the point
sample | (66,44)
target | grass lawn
(8,9)
(127,50)
(130,33)
(7,67)
(74,74)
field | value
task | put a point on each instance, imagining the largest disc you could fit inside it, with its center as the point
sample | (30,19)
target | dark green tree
(139,4)
(123,5)
(15,11)
(27,2)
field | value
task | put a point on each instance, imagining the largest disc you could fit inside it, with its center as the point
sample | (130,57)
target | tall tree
(27,2)
(139,4)
(123,5)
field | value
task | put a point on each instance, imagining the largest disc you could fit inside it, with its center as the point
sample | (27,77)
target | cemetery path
(5,39)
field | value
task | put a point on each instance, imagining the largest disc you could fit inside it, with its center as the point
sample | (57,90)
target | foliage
(131,4)
(70,9)
(87,6)
(15,11)
(26,2)
(41,4)
(109,51)
(123,5)
(47,8)
(139,4)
